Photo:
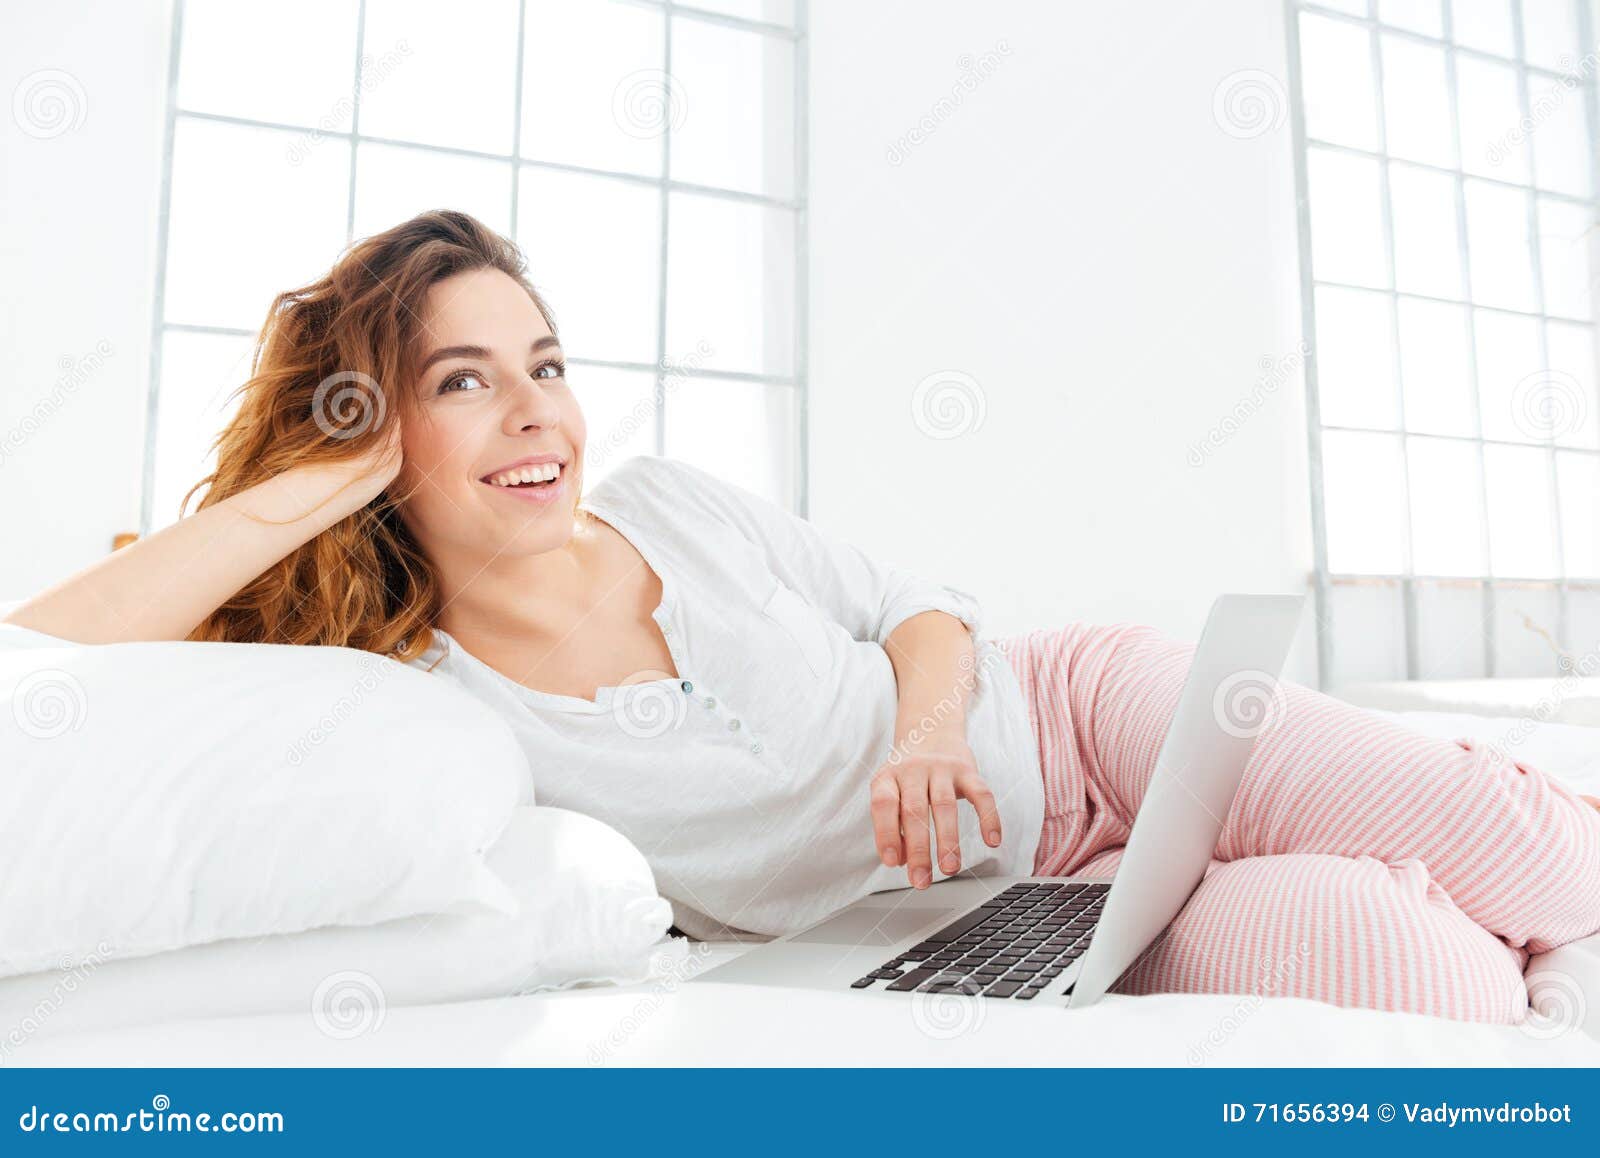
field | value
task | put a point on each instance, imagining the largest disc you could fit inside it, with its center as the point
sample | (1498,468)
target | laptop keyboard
(1013,945)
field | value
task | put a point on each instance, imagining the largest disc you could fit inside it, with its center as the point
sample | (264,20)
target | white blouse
(744,779)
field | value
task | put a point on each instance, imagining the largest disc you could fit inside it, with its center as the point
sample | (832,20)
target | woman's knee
(1350,931)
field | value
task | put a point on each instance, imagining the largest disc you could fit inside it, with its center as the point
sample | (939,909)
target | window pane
(394,183)
(1521,530)
(1560,136)
(1565,238)
(1550,33)
(1336,80)
(593,90)
(1526,620)
(1427,242)
(1418,15)
(1492,143)
(745,433)
(730,274)
(1563,398)
(1370,643)
(1364,501)
(1579,478)
(1436,368)
(1416,102)
(1498,246)
(198,374)
(1484,25)
(235,57)
(620,411)
(1583,626)
(1449,631)
(457,85)
(766,11)
(1355,359)
(254,212)
(1346,225)
(1446,507)
(594,251)
(1508,357)
(737,131)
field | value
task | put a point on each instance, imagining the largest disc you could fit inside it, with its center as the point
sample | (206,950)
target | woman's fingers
(942,800)
(885,796)
(976,791)
(914,827)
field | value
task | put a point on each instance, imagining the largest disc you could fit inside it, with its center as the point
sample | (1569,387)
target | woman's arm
(165,586)
(931,766)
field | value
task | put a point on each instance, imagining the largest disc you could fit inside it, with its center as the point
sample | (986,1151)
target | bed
(681,1015)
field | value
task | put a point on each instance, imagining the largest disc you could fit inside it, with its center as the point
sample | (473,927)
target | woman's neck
(530,596)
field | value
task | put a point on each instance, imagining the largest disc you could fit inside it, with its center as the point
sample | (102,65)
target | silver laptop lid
(1231,695)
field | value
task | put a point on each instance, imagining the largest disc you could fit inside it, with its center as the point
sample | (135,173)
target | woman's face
(494,444)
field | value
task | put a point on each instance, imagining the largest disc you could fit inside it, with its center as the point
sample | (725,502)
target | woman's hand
(925,782)
(326,492)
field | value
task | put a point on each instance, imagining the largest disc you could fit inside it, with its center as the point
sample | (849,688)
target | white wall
(77,246)
(1081,237)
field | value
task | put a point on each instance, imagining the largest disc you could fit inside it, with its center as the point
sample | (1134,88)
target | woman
(773,718)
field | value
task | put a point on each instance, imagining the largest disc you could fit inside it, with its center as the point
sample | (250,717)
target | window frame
(663,370)
(1491,586)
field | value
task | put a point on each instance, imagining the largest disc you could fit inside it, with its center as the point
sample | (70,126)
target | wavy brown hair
(330,373)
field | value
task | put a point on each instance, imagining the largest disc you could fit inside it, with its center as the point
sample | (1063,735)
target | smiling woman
(780,723)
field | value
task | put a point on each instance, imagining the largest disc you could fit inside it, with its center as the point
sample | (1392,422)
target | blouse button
(710,702)
(756,747)
(733,725)
(687,687)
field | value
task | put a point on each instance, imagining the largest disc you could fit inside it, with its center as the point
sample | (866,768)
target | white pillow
(156,795)
(588,912)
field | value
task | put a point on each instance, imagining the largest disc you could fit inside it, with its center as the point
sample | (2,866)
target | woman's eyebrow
(479,352)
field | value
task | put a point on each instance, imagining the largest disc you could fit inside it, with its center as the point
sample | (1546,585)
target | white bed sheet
(684,1017)
(701,1022)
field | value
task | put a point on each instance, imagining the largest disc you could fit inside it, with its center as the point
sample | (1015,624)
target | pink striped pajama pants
(1361,864)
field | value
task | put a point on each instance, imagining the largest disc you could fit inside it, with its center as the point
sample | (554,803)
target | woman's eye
(551,370)
(459,382)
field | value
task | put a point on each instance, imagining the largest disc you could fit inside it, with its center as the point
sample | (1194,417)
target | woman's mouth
(530,482)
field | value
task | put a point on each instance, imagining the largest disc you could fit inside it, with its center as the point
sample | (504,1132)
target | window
(1447,214)
(649,158)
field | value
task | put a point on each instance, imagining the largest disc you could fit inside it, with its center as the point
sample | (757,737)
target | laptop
(1065,940)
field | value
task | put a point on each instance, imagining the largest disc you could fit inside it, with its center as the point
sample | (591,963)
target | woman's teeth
(544,472)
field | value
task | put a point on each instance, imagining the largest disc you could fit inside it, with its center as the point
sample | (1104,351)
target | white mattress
(685,1017)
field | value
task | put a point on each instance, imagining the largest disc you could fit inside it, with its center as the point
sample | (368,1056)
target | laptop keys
(1012,946)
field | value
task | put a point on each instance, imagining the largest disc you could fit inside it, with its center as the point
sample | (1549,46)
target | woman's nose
(532,408)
